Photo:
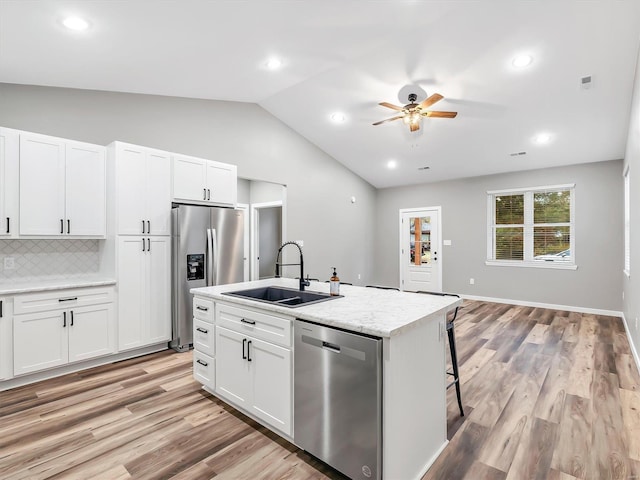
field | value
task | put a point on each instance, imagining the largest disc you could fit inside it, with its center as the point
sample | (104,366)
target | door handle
(64,319)
(249,350)
(244,341)
(68,226)
(204,195)
(148,244)
(8,229)
(71,317)
(148,227)
(208,194)
(143,232)
(143,245)
(0,308)
(61,226)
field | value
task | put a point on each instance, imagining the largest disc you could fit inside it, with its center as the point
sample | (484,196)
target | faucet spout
(303,282)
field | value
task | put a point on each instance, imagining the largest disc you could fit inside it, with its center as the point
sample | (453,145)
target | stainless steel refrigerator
(208,249)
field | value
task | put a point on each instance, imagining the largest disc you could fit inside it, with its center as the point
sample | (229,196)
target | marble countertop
(26,286)
(383,313)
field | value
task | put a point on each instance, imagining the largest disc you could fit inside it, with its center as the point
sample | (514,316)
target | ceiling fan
(413,112)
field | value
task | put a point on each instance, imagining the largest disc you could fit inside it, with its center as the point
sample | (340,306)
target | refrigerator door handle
(209,258)
(214,256)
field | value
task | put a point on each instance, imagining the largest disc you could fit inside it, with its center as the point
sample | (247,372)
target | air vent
(424,168)
(517,154)
(585,82)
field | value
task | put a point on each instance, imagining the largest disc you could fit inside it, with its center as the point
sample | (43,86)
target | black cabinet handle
(202,330)
(204,364)
(204,197)
(208,194)
(148,227)
(204,309)
(250,322)
(68,299)
(71,318)
(0,308)
(8,229)
(143,245)
(148,244)
(68,226)
(61,225)
(249,350)
(143,232)
(64,319)
(244,341)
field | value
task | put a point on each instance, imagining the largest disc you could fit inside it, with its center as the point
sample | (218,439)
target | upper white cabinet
(142,190)
(196,180)
(9,182)
(62,187)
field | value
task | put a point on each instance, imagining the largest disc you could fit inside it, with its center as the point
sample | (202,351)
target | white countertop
(383,313)
(14,287)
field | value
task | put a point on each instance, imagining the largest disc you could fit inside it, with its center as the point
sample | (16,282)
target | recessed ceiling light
(522,61)
(391,164)
(273,63)
(338,117)
(542,138)
(75,23)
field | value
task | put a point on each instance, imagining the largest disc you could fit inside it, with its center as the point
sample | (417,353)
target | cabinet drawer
(61,299)
(204,369)
(203,309)
(203,337)
(264,326)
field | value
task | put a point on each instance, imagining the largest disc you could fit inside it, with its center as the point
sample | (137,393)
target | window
(627,224)
(531,227)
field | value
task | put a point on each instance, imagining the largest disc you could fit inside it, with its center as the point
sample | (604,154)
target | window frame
(627,222)
(528,228)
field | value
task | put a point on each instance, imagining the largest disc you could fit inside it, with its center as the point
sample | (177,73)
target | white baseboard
(570,308)
(634,352)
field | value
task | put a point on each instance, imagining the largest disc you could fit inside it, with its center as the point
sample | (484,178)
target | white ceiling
(348,55)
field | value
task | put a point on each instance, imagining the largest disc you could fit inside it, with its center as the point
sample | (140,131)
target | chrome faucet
(303,282)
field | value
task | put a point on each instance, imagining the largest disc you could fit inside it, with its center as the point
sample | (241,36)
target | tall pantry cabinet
(141,227)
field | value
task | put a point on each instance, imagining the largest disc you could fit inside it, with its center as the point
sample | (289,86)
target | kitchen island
(412,329)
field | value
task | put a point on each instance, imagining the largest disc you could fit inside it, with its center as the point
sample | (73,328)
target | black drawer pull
(67,299)
(64,319)
(250,322)
(0,308)
(8,229)
(71,317)
(203,363)
(204,309)
(202,330)
(61,225)
(68,226)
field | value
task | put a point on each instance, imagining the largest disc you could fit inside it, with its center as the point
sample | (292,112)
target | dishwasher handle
(331,346)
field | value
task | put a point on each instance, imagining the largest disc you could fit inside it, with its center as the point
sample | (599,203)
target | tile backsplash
(35,259)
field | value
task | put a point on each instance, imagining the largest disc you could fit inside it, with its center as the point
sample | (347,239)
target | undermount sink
(287,297)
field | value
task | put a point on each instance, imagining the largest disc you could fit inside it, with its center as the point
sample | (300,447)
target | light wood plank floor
(548,395)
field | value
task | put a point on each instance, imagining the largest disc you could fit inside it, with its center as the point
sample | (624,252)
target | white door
(158,194)
(222,183)
(189,175)
(271,367)
(159,280)
(9,182)
(40,341)
(132,291)
(91,332)
(233,378)
(85,190)
(420,255)
(131,190)
(42,194)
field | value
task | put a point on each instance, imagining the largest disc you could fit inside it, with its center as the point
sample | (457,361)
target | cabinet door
(42,196)
(222,182)
(91,332)
(159,292)
(158,196)
(271,376)
(85,178)
(189,175)
(132,292)
(131,190)
(40,341)
(6,338)
(233,375)
(9,182)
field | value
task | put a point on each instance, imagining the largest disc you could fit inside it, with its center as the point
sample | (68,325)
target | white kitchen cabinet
(62,187)
(56,328)
(9,182)
(144,296)
(196,180)
(142,190)
(6,338)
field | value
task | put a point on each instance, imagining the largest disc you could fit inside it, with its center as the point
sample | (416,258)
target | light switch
(446,242)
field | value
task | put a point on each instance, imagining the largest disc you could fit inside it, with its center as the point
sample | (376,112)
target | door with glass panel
(420,262)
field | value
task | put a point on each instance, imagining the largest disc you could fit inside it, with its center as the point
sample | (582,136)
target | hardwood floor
(547,394)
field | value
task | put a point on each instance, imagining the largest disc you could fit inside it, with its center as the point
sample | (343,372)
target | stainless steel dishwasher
(338,398)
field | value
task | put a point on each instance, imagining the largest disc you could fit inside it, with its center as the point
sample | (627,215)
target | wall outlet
(446,242)
(472,281)
(359,276)
(9,263)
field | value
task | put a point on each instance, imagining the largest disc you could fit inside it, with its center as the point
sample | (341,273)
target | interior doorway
(420,249)
(267,238)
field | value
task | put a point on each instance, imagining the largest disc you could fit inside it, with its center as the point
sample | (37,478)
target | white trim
(537,264)
(632,347)
(525,303)
(253,238)
(532,189)
(247,237)
(402,211)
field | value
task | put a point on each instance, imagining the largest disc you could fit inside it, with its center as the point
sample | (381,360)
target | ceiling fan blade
(440,114)
(390,105)
(389,119)
(436,97)
(414,127)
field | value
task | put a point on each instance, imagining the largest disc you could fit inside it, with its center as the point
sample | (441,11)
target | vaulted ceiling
(347,56)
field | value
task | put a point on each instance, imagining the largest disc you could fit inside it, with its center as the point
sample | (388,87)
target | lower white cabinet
(54,334)
(256,376)
(6,338)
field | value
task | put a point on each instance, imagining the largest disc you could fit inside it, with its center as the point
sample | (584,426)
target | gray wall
(262,192)
(598,196)
(318,187)
(631,284)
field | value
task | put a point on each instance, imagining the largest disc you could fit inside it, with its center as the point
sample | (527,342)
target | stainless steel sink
(287,297)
